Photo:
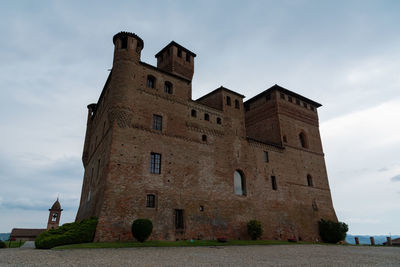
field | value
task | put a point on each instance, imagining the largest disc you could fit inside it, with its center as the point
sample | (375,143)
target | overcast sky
(55,56)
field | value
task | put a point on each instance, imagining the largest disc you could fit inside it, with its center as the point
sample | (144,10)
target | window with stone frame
(206,117)
(150,201)
(155,163)
(157,122)
(193,113)
(239,183)
(168,88)
(151,81)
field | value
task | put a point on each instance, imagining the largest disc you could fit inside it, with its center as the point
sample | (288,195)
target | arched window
(206,117)
(219,121)
(228,100)
(303,140)
(309,180)
(151,81)
(168,87)
(239,183)
(194,113)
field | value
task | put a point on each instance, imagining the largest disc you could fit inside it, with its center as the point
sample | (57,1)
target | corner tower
(176,59)
(54,215)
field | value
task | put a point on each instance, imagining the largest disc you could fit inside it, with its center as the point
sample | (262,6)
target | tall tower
(54,215)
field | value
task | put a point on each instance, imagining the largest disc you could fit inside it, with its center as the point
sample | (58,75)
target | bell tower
(54,215)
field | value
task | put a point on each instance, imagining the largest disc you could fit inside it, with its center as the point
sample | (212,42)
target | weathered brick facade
(272,141)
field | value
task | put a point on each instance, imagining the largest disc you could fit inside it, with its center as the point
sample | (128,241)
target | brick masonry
(197,176)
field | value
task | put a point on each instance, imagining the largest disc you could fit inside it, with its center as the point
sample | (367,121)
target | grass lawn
(14,244)
(195,243)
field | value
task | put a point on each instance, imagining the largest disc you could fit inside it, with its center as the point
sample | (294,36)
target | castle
(199,168)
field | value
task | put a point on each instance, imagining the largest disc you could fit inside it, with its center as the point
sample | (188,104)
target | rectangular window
(151,201)
(297,102)
(266,158)
(179,52)
(282,96)
(268,97)
(124,42)
(273,182)
(179,219)
(305,105)
(290,99)
(187,57)
(155,163)
(157,122)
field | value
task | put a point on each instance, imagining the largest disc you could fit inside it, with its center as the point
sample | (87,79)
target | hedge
(332,232)
(69,233)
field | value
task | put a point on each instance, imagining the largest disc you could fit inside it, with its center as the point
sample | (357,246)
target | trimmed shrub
(2,244)
(69,233)
(332,232)
(254,229)
(142,229)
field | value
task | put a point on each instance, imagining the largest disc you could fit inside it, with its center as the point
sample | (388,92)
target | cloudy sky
(55,56)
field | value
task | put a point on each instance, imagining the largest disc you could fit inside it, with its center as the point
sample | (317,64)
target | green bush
(69,233)
(2,244)
(332,232)
(254,229)
(141,229)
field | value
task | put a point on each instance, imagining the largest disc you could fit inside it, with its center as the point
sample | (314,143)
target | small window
(201,208)
(179,52)
(309,181)
(194,113)
(312,108)
(228,100)
(206,117)
(187,57)
(303,140)
(204,138)
(273,183)
(266,157)
(239,183)
(155,163)
(305,105)
(237,105)
(179,223)
(151,81)
(285,139)
(150,201)
(290,99)
(54,217)
(219,121)
(168,87)
(297,102)
(282,96)
(268,97)
(124,42)
(157,122)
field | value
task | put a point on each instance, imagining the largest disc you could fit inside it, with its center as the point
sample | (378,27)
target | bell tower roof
(56,206)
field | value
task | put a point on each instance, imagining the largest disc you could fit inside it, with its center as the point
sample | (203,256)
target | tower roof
(56,205)
(173,43)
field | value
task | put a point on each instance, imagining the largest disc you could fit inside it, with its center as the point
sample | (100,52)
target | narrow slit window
(266,156)
(206,117)
(310,181)
(273,183)
(124,42)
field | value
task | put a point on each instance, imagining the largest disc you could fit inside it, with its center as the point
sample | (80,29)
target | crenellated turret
(127,46)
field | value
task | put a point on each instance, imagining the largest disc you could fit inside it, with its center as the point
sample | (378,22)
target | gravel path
(278,255)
